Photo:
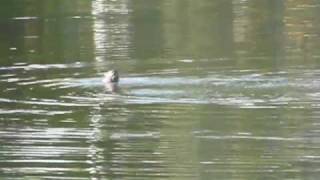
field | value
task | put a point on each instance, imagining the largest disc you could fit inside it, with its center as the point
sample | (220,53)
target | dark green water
(210,89)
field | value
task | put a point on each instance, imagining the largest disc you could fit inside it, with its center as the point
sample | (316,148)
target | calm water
(210,89)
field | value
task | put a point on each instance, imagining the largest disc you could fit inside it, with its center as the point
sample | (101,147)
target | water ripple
(33,111)
(47,102)
(235,137)
(29,67)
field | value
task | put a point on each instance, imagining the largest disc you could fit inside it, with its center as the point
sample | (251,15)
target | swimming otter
(110,80)
(111,76)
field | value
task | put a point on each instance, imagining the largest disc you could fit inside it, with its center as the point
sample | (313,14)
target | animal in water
(110,80)
(111,76)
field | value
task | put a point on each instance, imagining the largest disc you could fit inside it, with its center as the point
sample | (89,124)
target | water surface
(208,89)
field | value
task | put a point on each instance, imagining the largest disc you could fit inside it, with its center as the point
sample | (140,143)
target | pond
(209,89)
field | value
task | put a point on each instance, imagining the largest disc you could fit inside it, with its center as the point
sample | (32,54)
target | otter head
(111,76)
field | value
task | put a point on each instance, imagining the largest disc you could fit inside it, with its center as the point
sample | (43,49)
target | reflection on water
(209,89)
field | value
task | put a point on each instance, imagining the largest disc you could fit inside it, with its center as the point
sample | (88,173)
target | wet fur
(111,77)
